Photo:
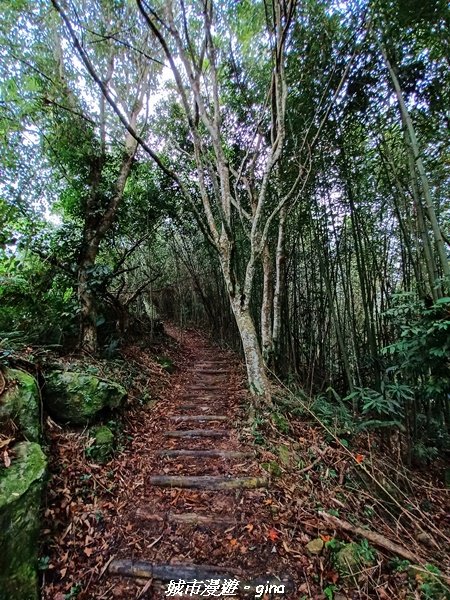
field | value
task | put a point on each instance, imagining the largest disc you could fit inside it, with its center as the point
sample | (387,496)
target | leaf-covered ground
(320,491)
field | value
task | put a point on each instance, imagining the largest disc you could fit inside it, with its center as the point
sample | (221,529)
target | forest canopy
(274,172)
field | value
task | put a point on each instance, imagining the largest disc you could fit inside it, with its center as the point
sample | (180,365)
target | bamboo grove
(274,172)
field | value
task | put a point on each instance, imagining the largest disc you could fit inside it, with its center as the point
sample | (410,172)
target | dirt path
(189,500)
(203,513)
(187,497)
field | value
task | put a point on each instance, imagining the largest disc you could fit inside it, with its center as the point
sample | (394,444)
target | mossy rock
(315,546)
(21,487)
(350,560)
(103,445)
(76,398)
(19,403)
(285,455)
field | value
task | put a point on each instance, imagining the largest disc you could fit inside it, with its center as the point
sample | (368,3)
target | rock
(285,455)
(77,397)
(19,403)
(21,487)
(348,559)
(103,444)
(315,546)
(352,558)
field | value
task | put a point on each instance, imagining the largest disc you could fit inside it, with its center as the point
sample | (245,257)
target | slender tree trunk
(415,149)
(267,306)
(430,263)
(256,371)
(279,282)
(86,298)
(240,305)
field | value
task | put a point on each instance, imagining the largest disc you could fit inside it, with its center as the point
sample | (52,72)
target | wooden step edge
(201,398)
(189,518)
(208,482)
(169,572)
(226,454)
(188,433)
(195,406)
(211,372)
(207,387)
(198,418)
(200,574)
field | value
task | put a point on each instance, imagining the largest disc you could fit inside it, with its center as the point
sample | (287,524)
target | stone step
(226,454)
(208,482)
(191,433)
(201,418)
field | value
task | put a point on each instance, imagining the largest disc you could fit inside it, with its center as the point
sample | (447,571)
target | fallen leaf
(233,542)
(332,576)
(272,535)
(326,538)
(88,551)
(249,527)
(359,458)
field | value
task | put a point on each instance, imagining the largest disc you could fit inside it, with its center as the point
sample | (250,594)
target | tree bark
(256,370)
(279,282)
(88,312)
(267,305)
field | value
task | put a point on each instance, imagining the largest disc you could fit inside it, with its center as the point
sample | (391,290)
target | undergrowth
(345,455)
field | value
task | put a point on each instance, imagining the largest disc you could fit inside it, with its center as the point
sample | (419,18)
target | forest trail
(188,496)
(203,512)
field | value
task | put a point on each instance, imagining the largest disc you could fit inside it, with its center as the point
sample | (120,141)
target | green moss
(20,403)
(23,585)
(284,454)
(273,468)
(104,436)
(353,557)
(21,487)
(103,446)
(77,397)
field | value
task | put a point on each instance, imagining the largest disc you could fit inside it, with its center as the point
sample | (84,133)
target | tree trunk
(279,282)
(256,372)
(414,145)
(88,313)
(267,305)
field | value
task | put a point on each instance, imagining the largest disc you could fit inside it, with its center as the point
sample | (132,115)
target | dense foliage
(284,165)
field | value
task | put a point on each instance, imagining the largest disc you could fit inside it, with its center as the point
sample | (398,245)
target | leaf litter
(97,513)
